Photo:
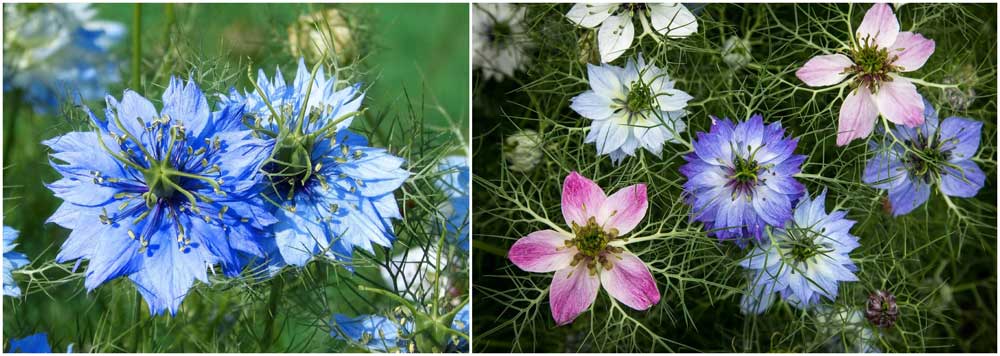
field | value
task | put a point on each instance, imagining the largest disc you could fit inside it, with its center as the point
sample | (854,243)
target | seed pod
(882,310)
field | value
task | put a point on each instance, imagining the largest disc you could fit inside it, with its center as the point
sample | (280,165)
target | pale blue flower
(377,333)
(11,261)
(455,185)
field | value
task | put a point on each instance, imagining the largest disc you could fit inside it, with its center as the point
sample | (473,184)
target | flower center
(872,64)
(501,34)
(591,238)
(159,180)
(801,244)
(639,98)
(926,163)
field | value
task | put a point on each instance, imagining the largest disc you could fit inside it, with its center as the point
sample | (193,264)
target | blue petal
(964,181)
(908,196)
(35,344)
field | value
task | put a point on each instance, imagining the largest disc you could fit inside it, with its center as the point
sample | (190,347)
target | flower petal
(673,20)
(880,26)
(590,15)
(624,209)
(899,102)
(591,105)
(961,136)
(824,70)
(630,282)
(907,196)
(581,199)
(912,49)
(542,251)
(964,181)
(604,80)
(672,99)
(573,290)
(614,37)
(857,116)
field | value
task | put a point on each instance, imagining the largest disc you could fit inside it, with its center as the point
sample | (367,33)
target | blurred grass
(415,60)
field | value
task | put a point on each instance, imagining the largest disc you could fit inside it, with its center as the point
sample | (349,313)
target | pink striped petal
(624,209)
(630,282)
(912,49)
(879,23)
(824,70)
(573,290)
(581,199)
(857,116)
(542,251)
(899,102)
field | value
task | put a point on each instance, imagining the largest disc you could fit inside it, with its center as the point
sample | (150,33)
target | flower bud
(736,52)
(882,310)
(523,150)
(313,34)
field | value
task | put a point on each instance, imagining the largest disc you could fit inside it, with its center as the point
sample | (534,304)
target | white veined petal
(615,37)
(590,15)
(673,20)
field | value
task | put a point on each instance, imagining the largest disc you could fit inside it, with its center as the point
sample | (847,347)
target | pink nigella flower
(594,253)
(880,53)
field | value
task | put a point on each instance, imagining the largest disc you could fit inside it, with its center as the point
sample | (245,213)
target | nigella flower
(54,51)
(461,323)
(632,107)
(593,254)
(847,329)
(160,196)
(617,31)
(741,178)
(335,191)
(804,260)
(412,273)
(931,154)
(881,52)
(34,344)
(11,261)
(374,332)
(455,185)
(523,150)
(498,42)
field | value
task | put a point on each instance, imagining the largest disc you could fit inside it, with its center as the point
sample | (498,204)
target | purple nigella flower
(160,196)
(804,260)
(740,178)
(931,153)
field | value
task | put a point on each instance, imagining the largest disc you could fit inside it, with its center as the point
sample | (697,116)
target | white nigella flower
(632,107)
(414,272)
(617,31)
(322,33)
(499,48)
(847,329)
(523,150)
(736,52)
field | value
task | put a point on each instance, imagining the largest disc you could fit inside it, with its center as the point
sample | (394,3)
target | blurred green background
(414,64)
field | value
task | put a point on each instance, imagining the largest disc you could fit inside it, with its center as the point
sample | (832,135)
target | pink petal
(824,70)
(899,102)
(542,251)
(857,116)
(630,282)
(879,23)
(913,50)
(624,209)
(573,290)
(581,199)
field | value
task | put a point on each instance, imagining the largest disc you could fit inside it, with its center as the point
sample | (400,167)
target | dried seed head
(882,310)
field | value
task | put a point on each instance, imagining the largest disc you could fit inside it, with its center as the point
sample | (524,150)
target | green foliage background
(414,67)
(940,260)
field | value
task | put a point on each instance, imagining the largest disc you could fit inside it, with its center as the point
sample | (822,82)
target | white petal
(590,15)
(673,20)
(614,37)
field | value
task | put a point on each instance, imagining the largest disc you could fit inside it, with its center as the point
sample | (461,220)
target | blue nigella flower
(377,333)
(34,344)
(461,323)
(54,51)
(332,191)
(160,196)
(741,178)
(456,186)
(11,261)
(932,153)
(630,108)
(803,261)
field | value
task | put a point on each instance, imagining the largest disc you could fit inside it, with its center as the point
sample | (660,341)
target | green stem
(277,288)
(136,45)
(15,99)
(139,331)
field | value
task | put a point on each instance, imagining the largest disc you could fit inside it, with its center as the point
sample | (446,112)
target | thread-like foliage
(939,261)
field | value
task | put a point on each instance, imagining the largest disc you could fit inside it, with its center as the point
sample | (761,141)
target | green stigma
(501,33)
(745,170)
(639,98)
(591,239)
(872,64)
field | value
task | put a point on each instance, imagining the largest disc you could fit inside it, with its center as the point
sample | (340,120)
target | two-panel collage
(495,178)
